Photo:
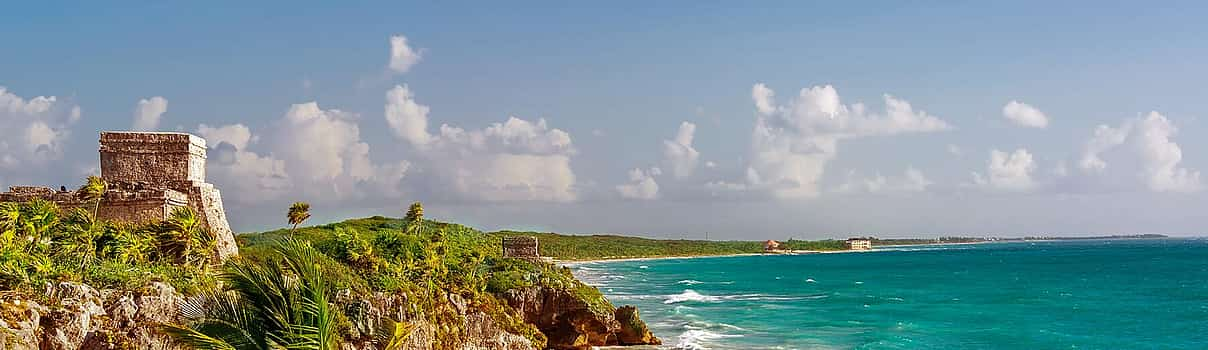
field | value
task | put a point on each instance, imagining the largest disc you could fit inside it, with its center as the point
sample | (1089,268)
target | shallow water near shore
(1093,294)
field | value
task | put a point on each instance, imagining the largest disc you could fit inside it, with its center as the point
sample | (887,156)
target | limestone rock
(633,329)
(19,322)
(78,316)
(566,320)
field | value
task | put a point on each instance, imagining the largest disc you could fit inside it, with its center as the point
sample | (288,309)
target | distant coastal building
(148,175)
(859,244)
(523,247)
(771,246)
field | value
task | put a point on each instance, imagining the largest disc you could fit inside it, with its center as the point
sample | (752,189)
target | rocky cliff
(76,316)
(570,323)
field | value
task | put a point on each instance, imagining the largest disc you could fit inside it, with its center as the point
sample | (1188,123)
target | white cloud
(408,119)
(148,113)
(237,135)
(710,164)
(764,99)
(791,144)
(516,160)
(912,180)
(1160,156)
(1147,141)
(1024,115)
(1008,171)
(33,132)
(309,152)
(641,185)
(402,56)
(679,153)
(1105,138)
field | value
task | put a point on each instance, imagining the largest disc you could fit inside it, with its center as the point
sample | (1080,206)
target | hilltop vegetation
(592,247)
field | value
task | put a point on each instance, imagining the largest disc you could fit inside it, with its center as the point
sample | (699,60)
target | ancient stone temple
(149,174)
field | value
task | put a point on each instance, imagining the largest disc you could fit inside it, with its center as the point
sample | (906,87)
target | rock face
(80,317)
(367,315)
(633,329)
(568,321)
(84,318)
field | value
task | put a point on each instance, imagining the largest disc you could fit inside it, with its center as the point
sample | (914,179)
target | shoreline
(572,263)
(810,252)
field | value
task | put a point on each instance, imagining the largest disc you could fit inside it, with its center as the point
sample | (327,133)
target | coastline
(571,263)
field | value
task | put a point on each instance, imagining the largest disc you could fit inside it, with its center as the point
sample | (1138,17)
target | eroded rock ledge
(80,317)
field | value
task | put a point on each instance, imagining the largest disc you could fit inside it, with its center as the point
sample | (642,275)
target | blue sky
(614,83)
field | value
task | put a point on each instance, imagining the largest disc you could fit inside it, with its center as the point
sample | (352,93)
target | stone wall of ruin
(154,158)
(520,247)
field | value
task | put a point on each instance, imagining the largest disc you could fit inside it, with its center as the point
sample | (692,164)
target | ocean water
(1095,294)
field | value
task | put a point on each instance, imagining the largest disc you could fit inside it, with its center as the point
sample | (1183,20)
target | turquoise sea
(1087,294)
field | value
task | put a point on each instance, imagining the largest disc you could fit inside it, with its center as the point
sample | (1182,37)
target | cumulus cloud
(1147,141)
(34,130)
(1105,138)
(641,185)
(764,98)
(238,135)
(408,119)
(1008,171)
(310,151)
(792,143)
(1024,115)
(402,56)
(679,153)
(148,113)
(912,180)
(516,160)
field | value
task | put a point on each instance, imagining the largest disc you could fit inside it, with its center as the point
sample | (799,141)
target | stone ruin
(523,247)
(149,174)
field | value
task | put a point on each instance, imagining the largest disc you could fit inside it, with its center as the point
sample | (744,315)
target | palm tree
(281,303)
(414,218)
(93,190)
(38,217)
(298,212)
(183,237)
(415,212)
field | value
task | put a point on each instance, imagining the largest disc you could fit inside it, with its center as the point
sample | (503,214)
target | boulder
(633,329)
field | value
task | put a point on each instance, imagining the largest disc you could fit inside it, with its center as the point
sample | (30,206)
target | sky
(677,119)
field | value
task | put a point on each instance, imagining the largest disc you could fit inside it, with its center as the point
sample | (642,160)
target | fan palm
(37,219)
(93,190)
(298,212)
(183,236)
(280,303)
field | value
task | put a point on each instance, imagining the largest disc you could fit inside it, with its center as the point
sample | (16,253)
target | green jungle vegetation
(596,247)
(41,244)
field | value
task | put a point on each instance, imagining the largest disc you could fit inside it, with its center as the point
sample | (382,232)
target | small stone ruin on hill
(523,247)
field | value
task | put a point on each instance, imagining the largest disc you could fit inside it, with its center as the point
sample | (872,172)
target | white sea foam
(690,295)
(693,296)
(643,267)
(810,280)
(689,282)
(695,339)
